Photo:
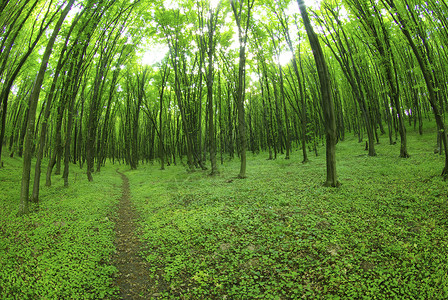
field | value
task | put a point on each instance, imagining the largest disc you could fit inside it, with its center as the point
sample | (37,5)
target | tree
(107,123)
(109,48)
(208,43)
(24,192)
(344,51)
(375,27)
(187,91)
(283,19)
(243,24)
(63,57)
(327,101)
(417,39)
(17,66)
(164,73)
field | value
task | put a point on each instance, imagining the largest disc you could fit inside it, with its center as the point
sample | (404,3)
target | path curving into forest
(133,277)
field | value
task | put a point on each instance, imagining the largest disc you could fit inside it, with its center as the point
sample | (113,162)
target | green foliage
(280,234)
(61,250)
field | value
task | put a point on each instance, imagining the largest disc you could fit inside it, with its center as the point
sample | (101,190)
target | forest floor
(277,234)
(133,269)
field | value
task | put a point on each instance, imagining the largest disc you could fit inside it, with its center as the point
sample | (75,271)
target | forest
(202,149)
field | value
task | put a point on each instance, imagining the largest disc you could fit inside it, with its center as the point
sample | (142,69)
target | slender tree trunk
(285,111)
(425,67)
(23,130)
(57,139)
(24,192)
(92,123)
(14,120)
(43,133)
(75,79)
(211,24)
(220,115)
(266,124)
(303,97)
(103,138)
(4,94)
(241,80)
(280,134)
(327,102)
(161,130)
(211,128)
(303,112)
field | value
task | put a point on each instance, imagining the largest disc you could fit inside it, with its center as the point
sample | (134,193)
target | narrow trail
(133,278)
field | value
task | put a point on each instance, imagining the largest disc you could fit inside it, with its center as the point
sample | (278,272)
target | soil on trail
(133,278)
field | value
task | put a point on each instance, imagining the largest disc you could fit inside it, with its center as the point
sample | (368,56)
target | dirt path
(133,277)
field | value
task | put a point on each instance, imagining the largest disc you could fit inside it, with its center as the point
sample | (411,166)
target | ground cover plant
(62,249)
(279,234)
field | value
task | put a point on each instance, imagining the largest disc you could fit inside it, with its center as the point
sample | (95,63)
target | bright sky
(314,4)
(173,4)
(285,57)
(73,11)
(154,54)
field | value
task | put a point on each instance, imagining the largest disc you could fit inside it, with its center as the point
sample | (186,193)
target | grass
(62,249)
(278,234)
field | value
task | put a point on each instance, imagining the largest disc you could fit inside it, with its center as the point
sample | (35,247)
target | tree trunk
(327,102)
(164,74)
(57,139)
(24,192)
(43,132)
(241,80)
(423,59)
(211,24)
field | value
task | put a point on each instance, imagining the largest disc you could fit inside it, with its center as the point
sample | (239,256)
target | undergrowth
(279,234)
(61,250)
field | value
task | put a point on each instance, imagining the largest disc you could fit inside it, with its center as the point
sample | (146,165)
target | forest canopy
(89,81)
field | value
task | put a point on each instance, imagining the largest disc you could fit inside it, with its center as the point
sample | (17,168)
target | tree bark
(424,61)
(242,36)
(164,72)
(211,24)
(327,101)
(4,95)
(24,192)
(48,105)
